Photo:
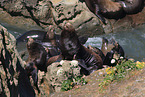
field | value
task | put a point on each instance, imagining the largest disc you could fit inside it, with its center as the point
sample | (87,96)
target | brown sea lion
(36,61)
(53,38)
(37,54)
(97,51)
(90,61)
(71,48)
(132,6)
(69,42)
(111,49)
(114,9)
(106,8)
(93,7)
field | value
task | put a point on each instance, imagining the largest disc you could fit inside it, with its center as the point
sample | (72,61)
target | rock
(34,13)
(13,79)
(39,14)
(58,72)
(75,12)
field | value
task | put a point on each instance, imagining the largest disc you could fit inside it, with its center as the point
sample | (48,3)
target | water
(132,40)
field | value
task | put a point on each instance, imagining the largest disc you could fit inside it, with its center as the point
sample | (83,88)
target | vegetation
(117,72)
(71,82)
(122,68)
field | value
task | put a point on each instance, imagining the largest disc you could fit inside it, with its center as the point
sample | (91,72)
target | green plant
(120,71)
(71,82)
(67,85)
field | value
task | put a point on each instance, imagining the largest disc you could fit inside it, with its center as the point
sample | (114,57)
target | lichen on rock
(60,71)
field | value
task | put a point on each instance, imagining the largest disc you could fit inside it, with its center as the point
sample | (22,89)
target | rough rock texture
(58,72)
(29,12)
(39,14)
(12,75)
(79,15)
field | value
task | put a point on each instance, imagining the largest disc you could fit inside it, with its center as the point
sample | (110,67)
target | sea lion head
(117,49)
(69,42)
(111,50)
(30,42)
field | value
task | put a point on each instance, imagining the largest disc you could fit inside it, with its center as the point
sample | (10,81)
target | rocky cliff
(40,14)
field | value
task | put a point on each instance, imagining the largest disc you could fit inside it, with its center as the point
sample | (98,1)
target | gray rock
(60,71)
(42,13)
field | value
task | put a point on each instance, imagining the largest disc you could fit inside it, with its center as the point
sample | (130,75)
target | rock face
(58,72)
(39,14)
(13,78)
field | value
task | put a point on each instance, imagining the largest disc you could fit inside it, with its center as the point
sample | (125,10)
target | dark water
(132,40)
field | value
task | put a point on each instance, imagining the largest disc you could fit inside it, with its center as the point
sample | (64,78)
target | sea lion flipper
(101,18)
(97,13)
(83,66)
(35,75)
(93,7)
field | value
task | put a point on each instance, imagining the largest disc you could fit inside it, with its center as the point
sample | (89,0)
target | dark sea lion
(36,61)
(31,70)
(71,48)
(97,51)
(106,8)
(90,60)
(132,6)
(37,54)
(69,42)
(93,7)
(111,49)
(114,9)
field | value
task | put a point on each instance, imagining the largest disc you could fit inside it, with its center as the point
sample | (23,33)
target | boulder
(60,71)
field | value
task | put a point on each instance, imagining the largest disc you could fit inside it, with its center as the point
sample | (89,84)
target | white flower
(74,62)
(61,62)
(112,61)
(121,57)
(59,72)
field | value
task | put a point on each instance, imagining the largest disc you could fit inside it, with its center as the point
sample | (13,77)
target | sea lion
(35,34)
(93,7)
(36,61)
(114,9)
(69,42)
(90,60)
(132,6)
(54,40)
(71,48)
(31,70)
(97,51)
(111,49)
(37,54)
(106,8)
